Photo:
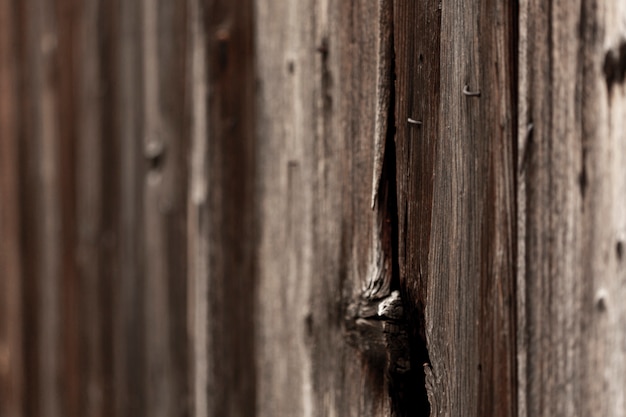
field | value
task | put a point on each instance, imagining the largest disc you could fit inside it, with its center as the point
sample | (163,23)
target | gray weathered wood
(571,336)
(324,70)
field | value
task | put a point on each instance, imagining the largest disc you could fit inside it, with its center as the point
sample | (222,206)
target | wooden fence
(312,208)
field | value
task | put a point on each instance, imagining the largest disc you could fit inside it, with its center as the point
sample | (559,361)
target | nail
(413,121)
(469,93)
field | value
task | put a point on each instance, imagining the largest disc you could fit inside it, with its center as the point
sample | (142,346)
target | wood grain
(571,333)
(11,321)
(222,204)
(316,208)
(456,199)
(325,97)
(128,341)
(89,331)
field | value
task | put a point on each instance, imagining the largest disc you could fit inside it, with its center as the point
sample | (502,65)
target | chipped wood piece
(384,88)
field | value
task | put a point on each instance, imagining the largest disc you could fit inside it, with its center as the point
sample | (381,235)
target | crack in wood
(377,323)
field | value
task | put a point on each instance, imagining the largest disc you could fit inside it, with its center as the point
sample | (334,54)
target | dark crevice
(407,389)
(391,345)
(582,176)
(324,50)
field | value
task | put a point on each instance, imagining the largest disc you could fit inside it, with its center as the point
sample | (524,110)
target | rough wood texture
(222,208)
(90,332)
(312,208)
(571,184)
(456,198)
(323,109)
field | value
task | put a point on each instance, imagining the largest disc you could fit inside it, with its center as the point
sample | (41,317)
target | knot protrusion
(601,299)
(391,307)
(154,152)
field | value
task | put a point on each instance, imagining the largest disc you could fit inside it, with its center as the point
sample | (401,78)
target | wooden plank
(200,340)
(67,77)
(325,256)
(571,182)
(128,300)
(456,199)
(221,204)
(42,227)
(90,205)
(164,207)
(417,33)
(12,390)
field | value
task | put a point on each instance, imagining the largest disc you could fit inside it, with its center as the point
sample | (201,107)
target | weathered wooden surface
(11,338)
(94,228)
(221,208)
(316,208)
(572,339)
(456,198)
(324,100)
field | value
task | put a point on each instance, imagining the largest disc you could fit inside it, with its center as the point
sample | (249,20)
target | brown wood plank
(456,199)
(12,376)
(417,43)
(222,207)
(43,234)
(66,78)
(128,300)
(90,205)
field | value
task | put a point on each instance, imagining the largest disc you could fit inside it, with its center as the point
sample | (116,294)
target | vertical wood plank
(571,196)
(67,77)
(223,198)
(43,234)
(324,102)
(417,44)
(287,125)
(128,305)
(11,342)
(200,338)
(164,207)
(456,199)
(89,210)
